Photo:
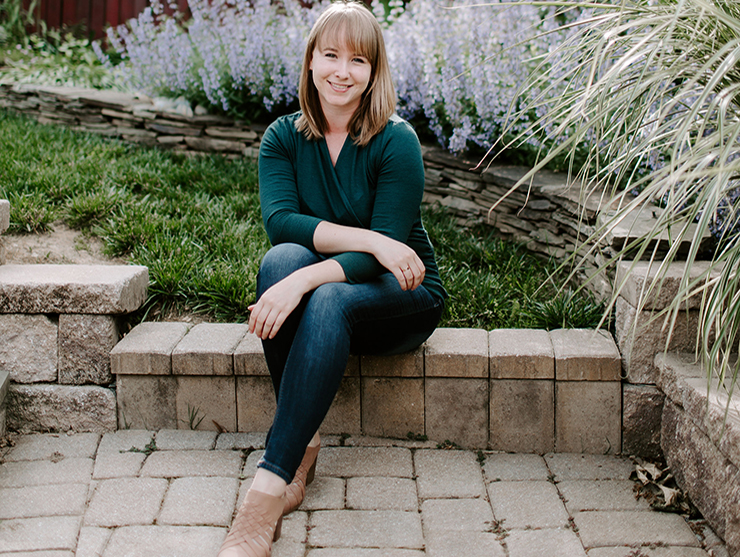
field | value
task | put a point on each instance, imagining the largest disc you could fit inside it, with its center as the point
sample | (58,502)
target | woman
(351,269)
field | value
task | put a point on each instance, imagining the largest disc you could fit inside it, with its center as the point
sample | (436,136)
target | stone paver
(606,495)
(611,528)
(157,541)
(171,440)
(448,474)
(34,534)
(366,529)
(549,542)
(456,515)
(46,446)
(173,464)
(46,472)
(515,467)
(43,500)
(569,466)
(175,492)
(527,504)
(199,501)
(375,493)
(126,501)
(365,461)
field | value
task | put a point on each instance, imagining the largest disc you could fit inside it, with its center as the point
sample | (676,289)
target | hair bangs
(352,29)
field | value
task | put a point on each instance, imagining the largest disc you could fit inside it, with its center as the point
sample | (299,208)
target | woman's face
(340,76)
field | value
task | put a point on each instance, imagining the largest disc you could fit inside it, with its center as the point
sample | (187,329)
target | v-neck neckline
(339,154)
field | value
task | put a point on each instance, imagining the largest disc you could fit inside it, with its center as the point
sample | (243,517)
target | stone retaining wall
(549,219)
(701,441)
(510,390)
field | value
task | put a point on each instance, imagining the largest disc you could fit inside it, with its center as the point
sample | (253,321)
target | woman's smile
(340,76)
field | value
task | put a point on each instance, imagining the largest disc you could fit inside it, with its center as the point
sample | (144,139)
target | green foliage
(196,224)
(654,90)
(14,20)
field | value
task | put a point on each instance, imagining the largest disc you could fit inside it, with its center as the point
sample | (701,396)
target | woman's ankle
(268,482)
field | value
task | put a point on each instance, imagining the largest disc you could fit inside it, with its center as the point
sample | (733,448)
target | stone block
(323,494)
(710,479)
(4,388)
(522,415)
(124,464)
(198,501)
(521,354)
(147,349)
(255,403)
(345,462)
(456,353)
(147,401)
(38,534)
(457,409)
(185,440)
(249,358)
(3,252)
(43,500)
(241,441)
(604,495)
(392,407)
(642,410)
(124,440)
(344,414)
(126,501)
(685,383)
(381,494)
(635,528)
(177,464)
(549,542)
(588,417)
(444,474)
(593,467)
(85,342)
(585,355)
(652,338)
(4,215)
(206,403)
(46,472)
(46,446)
(183,541)
(208,349)
(515,467)
(408,364)
(532,504)
(61,408)
(456,515)
(395,529)
(470,544)
(29,348)
(638,276)
(97,289)
(92,541)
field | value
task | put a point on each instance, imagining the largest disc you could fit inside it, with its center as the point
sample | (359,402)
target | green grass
(196,224)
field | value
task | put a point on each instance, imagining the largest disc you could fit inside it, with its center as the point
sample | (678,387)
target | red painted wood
(126,10)
(53,16)
(69,7)
(97,18)
(112,15)
(82,14)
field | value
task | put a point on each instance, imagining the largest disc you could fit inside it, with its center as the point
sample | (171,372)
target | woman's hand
(279,301)
(400,260)
(275,305)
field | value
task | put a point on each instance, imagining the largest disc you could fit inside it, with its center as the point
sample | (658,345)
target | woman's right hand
(400,260)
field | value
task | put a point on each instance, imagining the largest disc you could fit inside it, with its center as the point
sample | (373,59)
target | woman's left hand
(275,305)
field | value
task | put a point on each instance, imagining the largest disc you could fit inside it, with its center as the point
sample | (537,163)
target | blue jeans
(309,354)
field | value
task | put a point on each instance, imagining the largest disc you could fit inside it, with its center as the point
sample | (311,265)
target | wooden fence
(91,15)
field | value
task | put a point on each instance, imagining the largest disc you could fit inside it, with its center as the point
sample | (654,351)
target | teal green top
(378,187)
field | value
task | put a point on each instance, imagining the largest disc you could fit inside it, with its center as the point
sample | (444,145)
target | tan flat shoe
(296,490)
(256,526)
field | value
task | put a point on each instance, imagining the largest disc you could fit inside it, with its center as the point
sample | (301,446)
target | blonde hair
(364,36)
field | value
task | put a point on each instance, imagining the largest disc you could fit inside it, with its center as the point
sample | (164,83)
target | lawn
(195,223)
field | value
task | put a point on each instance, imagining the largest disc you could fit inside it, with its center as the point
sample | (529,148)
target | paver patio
(173,493)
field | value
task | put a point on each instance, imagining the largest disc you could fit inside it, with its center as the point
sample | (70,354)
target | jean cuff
(262,463)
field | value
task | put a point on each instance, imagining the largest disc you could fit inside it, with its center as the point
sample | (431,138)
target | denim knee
(282,260)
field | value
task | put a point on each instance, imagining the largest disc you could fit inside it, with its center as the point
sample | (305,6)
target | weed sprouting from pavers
(148,449)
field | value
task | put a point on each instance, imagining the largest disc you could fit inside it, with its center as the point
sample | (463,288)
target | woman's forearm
(330,238)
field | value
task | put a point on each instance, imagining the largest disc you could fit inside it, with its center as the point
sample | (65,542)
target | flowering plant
(457,67)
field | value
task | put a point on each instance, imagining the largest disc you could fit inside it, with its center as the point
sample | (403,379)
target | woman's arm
(395,256)
(278,301)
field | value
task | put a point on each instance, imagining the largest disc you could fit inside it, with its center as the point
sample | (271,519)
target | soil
(60,246)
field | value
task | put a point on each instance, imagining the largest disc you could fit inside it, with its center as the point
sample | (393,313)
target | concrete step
(510,390)
(72,289)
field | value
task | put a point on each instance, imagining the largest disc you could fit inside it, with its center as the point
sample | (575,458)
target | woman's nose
(341,69)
